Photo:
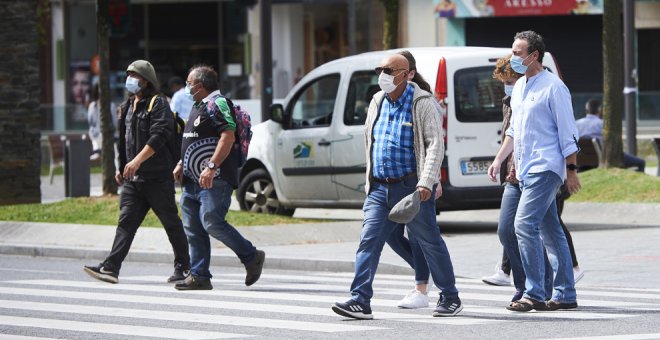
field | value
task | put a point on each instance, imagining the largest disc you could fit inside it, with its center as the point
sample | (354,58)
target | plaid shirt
(393,153)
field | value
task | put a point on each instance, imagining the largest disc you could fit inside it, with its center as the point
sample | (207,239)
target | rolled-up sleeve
(560,104)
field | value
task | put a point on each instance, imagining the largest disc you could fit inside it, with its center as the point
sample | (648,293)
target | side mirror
(277,113)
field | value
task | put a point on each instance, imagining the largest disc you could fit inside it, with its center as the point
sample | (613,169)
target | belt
(394,180)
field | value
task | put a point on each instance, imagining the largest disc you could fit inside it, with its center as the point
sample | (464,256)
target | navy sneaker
(448,307)
(103,273)
(353,309)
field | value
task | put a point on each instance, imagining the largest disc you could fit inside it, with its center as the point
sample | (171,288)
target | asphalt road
(53,298)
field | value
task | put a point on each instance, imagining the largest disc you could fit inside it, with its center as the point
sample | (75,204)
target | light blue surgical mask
(508,89)
(132,84)
(188,91)
(517,64)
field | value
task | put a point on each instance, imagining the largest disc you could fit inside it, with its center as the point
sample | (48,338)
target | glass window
(313,106)
(478,95)
(363,86)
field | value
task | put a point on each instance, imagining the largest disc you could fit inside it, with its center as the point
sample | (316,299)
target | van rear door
(474,120)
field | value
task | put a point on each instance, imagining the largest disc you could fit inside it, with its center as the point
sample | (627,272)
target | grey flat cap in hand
(406,209)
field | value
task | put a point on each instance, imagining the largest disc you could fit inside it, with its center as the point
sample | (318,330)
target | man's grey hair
(205,75)
(534,42)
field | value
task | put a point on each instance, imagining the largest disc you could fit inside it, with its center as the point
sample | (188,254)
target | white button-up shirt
(543,126)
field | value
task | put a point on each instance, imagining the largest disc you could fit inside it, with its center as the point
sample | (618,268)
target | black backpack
(173,144)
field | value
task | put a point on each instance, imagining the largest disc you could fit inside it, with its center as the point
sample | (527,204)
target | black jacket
(140,128)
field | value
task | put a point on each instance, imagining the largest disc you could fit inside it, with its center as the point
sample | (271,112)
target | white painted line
(409,316)
(575,314)
(21,337)
(261,295)
(181,316)
(616,337)
(115,329)
(33,271)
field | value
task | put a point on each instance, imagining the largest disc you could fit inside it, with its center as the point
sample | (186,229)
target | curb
(279,263)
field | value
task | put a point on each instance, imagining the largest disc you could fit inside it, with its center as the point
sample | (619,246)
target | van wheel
(256,193)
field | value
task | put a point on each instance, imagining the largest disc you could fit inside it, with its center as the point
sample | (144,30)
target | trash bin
(76,168)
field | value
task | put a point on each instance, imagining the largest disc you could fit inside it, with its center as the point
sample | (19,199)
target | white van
(311,152)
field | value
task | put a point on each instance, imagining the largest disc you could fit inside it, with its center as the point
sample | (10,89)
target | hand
(424,193)
(177,173)
(131,169)
(494,171)
(572,182)
(118,178)
(438,191)
(206,178)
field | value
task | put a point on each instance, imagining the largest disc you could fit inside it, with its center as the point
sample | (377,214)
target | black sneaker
(353,309)
(179,275)
(254,268)
(103,273)
(448,307)
(194,283)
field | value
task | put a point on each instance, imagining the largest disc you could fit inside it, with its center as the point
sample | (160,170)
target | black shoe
(179,275)
(555,305)
(254,268)
(194,283)
(353,309)
(103,273)
(448,307)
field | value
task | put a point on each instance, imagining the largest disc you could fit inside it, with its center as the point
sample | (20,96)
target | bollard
(76,168)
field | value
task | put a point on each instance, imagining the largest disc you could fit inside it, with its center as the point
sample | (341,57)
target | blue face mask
(508,89)
(132,84)
(517,64)
(188,91)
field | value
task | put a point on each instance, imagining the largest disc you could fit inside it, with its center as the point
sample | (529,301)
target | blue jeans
(507,234)
(204,212)
(410,251)
(377,228)
(537,225)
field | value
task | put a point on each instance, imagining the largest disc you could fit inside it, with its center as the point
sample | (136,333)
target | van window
(478,95)
(314,104)
(362,87)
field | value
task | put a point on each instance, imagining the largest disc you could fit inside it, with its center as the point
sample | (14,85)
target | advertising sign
(502,8)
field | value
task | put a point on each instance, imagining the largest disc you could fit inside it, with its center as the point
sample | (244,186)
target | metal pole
(629,85)
(266,60)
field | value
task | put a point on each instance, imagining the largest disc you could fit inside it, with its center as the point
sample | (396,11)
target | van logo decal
(462,138)
(303,150)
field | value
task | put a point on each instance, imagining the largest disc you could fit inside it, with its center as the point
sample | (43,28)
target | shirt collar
(211,95)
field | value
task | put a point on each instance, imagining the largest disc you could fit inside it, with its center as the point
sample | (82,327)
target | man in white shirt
(591,126)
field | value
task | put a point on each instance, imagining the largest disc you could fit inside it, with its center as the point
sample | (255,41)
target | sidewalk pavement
(328,246)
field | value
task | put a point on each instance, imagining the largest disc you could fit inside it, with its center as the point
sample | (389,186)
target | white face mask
(386,82)
(132,84)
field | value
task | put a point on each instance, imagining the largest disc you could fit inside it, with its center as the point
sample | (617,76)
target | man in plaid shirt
(404,149)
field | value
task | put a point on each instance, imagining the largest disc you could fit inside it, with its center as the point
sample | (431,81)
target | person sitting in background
(94,120)
(591,126)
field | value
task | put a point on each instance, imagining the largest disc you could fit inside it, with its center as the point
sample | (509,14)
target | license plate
(475,167)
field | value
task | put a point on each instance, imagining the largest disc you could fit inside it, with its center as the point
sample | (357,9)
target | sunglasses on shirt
(387,70)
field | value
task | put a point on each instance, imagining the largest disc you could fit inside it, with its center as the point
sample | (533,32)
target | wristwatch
(571,167)
(210,165)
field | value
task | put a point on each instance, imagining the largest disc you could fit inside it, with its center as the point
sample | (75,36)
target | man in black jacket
(146,127)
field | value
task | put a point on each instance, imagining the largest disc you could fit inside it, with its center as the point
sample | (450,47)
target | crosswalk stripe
(616,337)
(118,329)
(404,281)
(21,337)
(393,291)
(181,316)
(261,295)
(287,309)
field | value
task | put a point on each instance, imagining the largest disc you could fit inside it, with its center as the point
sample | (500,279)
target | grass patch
(105,211)
(617,185)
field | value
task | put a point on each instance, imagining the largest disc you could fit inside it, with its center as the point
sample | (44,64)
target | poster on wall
(503,8)
(80,92)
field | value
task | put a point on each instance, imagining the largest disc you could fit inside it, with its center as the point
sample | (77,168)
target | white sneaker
(500,278)
(414,299)
(578,274)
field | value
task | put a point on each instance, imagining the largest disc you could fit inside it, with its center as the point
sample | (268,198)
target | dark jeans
(135,201)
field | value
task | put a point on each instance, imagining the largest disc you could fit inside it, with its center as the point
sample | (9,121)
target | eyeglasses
(190,84)
(387,70)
